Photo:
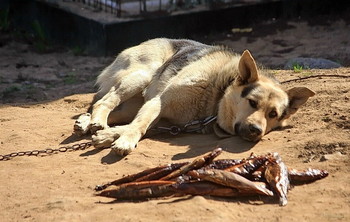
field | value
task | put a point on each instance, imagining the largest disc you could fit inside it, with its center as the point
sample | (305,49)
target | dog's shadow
(201,143)
(198,144)
(110,158)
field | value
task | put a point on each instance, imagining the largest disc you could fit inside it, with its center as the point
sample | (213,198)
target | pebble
(334,156)
(311,63)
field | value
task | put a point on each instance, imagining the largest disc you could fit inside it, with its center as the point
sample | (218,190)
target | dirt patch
(29,75)
(59,186)
(314,150)
(274,42)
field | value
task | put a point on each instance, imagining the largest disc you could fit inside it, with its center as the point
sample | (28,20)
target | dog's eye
(253,103)
(273,114)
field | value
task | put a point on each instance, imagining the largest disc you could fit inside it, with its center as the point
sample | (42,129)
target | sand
(60,186)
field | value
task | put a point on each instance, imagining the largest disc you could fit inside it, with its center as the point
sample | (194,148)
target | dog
(183,80)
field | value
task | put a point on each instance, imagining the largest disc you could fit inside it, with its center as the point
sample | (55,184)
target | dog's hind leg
(126,137)
(126,111)
(122,114)
(129,84)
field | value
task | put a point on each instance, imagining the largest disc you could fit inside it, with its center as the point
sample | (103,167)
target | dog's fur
(182,81)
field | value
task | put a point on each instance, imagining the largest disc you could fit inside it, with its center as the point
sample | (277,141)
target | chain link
(191,127)
(75,147)
(194,126)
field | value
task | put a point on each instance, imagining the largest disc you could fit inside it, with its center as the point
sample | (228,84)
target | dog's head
(255,103)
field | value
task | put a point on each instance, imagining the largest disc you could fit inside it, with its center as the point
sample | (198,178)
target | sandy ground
(59,187)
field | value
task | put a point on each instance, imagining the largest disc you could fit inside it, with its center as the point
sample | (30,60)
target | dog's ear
(248,71)
(297,97)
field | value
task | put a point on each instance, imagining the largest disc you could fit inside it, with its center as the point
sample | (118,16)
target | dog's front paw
(104,138)
(94,127)
(82,124)
(125,144)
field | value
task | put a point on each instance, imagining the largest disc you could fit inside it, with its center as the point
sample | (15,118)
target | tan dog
(182,81)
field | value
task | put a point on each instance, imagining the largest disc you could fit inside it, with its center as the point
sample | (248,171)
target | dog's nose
(255,129)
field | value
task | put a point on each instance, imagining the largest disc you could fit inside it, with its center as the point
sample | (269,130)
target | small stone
(333,157)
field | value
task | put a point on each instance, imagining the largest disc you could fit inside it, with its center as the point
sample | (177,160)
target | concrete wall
(102,38)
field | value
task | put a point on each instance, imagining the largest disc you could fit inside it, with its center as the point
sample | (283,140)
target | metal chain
(191,127)
(75,147)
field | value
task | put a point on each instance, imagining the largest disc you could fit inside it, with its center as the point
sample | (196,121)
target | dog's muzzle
(250,132)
